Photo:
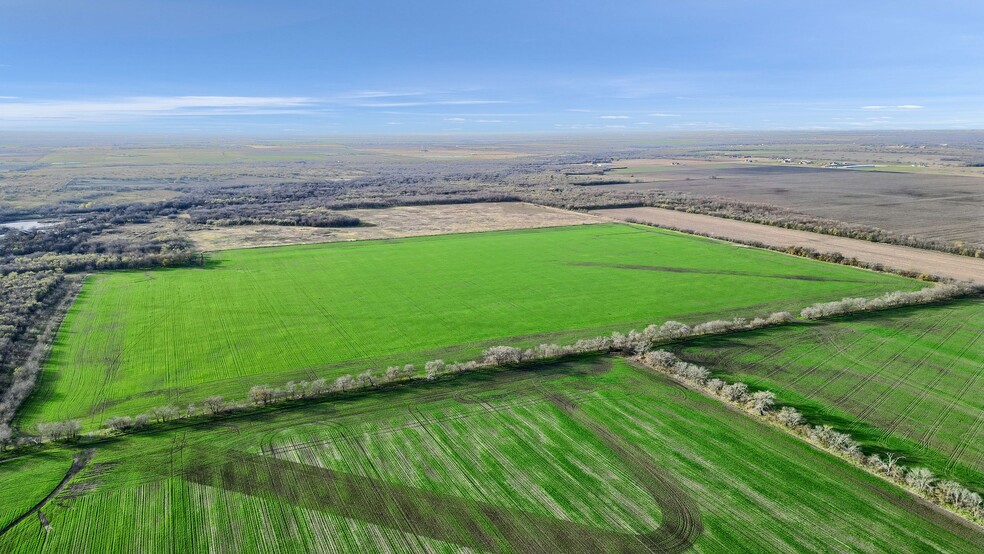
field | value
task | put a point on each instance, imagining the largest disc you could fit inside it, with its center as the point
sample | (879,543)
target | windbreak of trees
(21,296)
(228,215)
(631,343)
(70,247)
(26,301)
(946,493)
(74,263)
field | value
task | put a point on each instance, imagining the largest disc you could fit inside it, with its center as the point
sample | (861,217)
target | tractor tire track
(938,423)
(839,401)
(929,387)
(872,406)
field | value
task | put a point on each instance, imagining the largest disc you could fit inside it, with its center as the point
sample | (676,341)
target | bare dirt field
(927,205)
(899,257)
(401,221)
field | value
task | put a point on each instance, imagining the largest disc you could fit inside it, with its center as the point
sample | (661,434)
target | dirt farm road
(963,268)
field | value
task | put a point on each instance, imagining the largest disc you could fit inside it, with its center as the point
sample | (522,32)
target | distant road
(963,268)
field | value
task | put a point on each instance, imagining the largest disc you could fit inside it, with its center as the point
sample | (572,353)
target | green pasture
(139,339)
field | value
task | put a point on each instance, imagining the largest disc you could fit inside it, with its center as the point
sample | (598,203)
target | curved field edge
(26,481)
(135,340)
(546,442)
(900,380)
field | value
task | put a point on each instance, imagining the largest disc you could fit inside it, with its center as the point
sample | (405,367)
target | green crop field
(908,380)
(586,456)
(134,340)
(26,481)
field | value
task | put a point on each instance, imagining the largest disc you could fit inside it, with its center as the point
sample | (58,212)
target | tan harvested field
(397,222)
(899,257)
(927,205)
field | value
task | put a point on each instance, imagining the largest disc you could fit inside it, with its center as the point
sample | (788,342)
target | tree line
(893,299)
(27,302)
(631,343)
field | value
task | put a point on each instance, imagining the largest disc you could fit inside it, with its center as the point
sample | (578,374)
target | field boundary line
(79,462)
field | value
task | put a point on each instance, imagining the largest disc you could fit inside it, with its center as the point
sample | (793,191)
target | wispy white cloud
(420,103)
(903,107)
(615,117)
(696,125)
(658,114)
(151,106)
(136,108)
(366,94)
(455,119)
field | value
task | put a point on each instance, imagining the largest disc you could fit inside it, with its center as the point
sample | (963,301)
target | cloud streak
(903,107)
(135,108)
(151,106)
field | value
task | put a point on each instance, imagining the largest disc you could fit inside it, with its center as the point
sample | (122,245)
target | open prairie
(586,456)
(942,207)
(908,380)
(139,339)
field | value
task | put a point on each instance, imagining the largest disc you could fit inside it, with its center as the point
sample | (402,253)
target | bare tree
(365,379)
(501,355)
(344,382)
(318,387)
(261,394)
(164,413)
(393,373)
(119,423)
(893,464)
(790,417)
(434,368)
(6,436)
(735,392)
(762,401)
(920,479)
(213,404)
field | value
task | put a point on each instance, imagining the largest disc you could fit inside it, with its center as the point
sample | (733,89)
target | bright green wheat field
(582,457)
(907,380)
(134,340)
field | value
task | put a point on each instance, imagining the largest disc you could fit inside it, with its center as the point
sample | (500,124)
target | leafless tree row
(27,300)
(890,300)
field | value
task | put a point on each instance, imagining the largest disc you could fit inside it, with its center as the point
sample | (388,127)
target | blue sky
(344,66)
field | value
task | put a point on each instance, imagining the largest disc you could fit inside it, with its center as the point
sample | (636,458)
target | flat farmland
(963,268)
(26,481)
(941,207)
(135,340)
(908,380)
(587,456)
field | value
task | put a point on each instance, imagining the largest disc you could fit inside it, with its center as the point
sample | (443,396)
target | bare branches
(889,300)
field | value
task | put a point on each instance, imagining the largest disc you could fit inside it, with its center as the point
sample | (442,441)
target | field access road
(963,268)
